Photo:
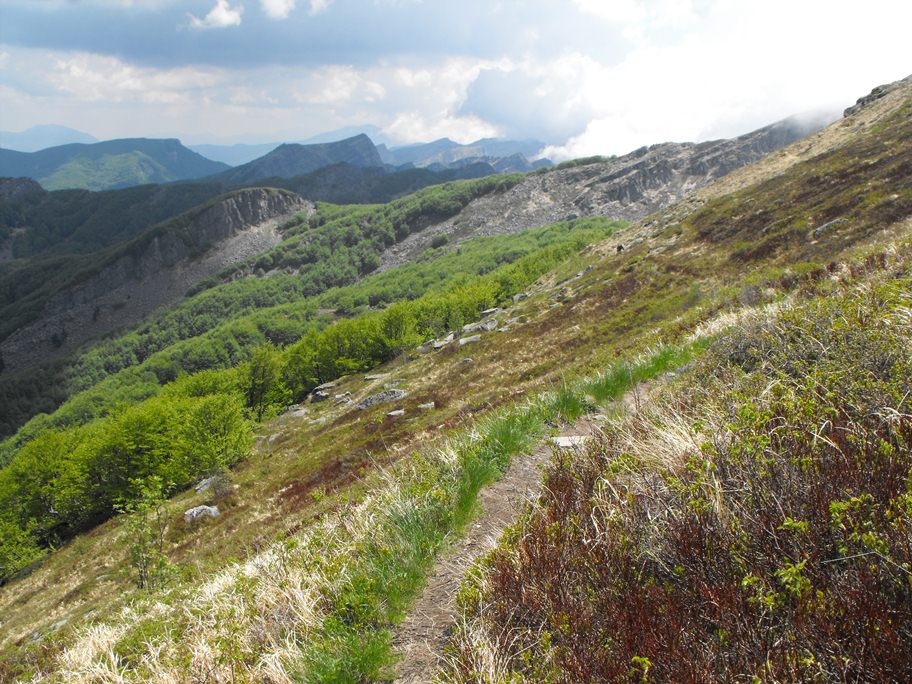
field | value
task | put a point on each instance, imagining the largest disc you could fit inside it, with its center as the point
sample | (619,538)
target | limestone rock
(440,344)
(216,482)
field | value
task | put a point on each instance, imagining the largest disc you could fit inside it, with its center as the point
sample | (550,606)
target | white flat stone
(570,441)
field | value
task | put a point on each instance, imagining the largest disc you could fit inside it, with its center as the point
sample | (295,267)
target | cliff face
(154,270)
(628,187)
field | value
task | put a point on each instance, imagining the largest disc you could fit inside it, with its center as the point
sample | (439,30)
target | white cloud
(95,78)
(613,11)
(317,6)
(220,16)
(413,102)
(725,68)
(339,85)
(412,126)
(673,70)
(277,9)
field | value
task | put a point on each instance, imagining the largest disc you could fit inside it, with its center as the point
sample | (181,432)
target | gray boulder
(468,340)
(486,325)
(440,344)
(491,312)
(386,395)
(201,512)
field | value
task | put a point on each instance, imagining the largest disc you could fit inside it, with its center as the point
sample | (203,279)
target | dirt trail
(424,632)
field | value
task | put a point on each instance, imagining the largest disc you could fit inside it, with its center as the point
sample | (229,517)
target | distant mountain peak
(294,159)
(41,137)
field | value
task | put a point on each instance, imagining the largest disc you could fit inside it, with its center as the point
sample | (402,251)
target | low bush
(757,527)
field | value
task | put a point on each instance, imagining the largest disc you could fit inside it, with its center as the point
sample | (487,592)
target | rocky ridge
(628,187)
(157,270)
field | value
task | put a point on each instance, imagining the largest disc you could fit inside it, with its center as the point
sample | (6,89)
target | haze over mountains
(41,137)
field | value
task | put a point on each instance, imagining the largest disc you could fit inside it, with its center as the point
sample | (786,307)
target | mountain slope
(309,258)
(319,550)
(81,297)
(290,160)
(627,187)
(81,221)
(109,164)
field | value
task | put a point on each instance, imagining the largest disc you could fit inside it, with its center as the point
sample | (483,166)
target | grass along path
(320,606)
(430,501)
(423,633)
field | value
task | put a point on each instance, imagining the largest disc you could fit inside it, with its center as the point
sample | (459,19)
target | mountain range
(42,321)
(108,165)
(129,162)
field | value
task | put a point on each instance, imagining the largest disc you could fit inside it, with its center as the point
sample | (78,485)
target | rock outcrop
(877,93)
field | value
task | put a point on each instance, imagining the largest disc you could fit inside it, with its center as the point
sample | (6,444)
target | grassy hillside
(755,524)
(220,327)
(772,484)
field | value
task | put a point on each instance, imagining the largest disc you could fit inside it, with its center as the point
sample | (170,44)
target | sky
(584,76)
